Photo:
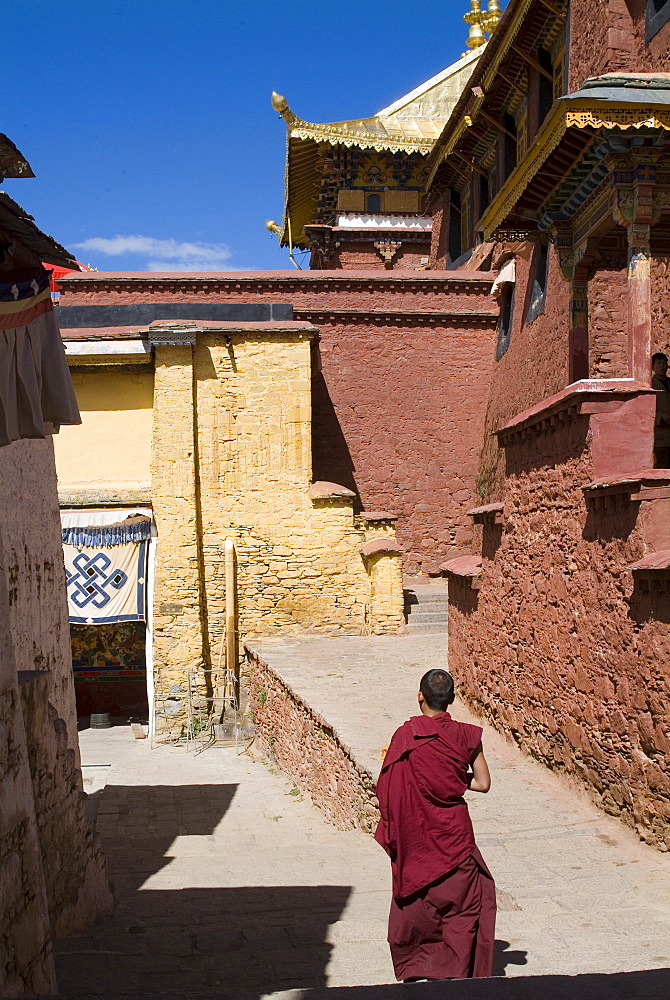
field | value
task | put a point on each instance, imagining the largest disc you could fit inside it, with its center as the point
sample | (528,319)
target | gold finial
(272,227)
(279,103)
(482,23)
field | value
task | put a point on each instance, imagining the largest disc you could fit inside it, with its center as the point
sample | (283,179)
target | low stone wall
(74,868)
(306,747)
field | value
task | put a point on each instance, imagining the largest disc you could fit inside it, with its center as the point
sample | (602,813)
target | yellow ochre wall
(113,445)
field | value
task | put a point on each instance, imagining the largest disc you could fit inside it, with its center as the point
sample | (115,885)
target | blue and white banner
(106,583)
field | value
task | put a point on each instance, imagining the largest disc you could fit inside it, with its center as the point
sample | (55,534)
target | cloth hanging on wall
(106,583)
(132,529)
(36,393)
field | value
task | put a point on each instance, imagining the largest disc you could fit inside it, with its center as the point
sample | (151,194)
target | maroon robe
(442,919)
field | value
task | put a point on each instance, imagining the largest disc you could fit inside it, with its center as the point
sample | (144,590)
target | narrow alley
(230,882)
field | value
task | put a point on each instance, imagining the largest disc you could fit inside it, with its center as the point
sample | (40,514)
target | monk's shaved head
(437,688)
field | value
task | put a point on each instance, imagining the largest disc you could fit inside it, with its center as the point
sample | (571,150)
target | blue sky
(149,127)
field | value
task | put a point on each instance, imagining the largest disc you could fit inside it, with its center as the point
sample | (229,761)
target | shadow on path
(251,939)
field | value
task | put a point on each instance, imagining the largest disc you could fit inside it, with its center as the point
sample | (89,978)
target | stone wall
(232,460)
(26,962)
(534,366)
(354,255)
(399,388)
(608,325)
(52,878)
(307,749)
(75,873)
(660,304)
(560,646)
(30,532)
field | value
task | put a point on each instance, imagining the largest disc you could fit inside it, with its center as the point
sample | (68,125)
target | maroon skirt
(447,929)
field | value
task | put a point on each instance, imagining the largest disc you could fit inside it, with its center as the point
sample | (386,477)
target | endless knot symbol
(90,579)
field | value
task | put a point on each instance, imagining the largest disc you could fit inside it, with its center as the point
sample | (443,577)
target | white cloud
(161,255)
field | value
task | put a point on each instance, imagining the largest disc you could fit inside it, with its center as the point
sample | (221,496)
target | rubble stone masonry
(608,36)
(307,749)
(561,646)
(232,459)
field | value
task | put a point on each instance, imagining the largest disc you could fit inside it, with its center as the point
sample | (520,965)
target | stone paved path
(229,884)
(578,892)
(226,881)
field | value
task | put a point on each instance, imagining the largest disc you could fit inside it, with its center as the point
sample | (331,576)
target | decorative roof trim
(567,113)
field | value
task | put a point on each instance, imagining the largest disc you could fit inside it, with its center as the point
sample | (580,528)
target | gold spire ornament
(482,22)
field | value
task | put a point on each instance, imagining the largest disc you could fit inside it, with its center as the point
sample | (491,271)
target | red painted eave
(575,393)
(463,566)
(485,278)
(655,560)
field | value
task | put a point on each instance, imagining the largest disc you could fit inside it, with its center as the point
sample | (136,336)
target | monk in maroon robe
(443,910)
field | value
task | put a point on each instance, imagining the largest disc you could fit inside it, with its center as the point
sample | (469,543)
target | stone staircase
(426,607)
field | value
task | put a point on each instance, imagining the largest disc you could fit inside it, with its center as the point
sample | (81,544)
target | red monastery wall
(400,399)
(354,256)
(608,323)
(577,681)
(660,304)
(534,366)
(409,402)
(607,36)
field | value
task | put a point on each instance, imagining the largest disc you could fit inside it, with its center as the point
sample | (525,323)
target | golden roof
(411,124)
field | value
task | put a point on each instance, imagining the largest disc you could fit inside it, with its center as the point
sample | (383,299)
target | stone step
(432,602)
(427,627)
(434,615)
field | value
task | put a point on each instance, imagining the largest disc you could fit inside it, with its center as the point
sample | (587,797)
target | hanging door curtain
(36,394)
(106,571)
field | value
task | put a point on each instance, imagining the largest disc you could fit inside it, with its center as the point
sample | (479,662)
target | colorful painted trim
(21,302)
(105,536)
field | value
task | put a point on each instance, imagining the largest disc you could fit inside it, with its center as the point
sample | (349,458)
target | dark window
(484,194)
(658,14)
(374,203)
(545,86)
(455,241)
(505,319)
(538,289)
(508,146)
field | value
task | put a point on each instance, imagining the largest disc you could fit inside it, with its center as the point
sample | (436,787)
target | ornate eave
(543,18)
(410,125)
(587,114)
(384,135)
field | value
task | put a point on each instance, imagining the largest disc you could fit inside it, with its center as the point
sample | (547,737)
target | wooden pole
(232,666)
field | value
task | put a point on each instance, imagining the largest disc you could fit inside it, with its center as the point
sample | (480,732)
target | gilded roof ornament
(279,103)
(482,22)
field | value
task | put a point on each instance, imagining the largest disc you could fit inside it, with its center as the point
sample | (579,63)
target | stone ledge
(104,496)
(475,281)
(652,572)
(586,397)
(647,484)
(375,516)
(490,513)
(397,317)
(465,568)
(288,727)
(377,545)
(322,490)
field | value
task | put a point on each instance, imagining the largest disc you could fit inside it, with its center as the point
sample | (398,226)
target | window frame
(506,318)
(655,18)
(539,282)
